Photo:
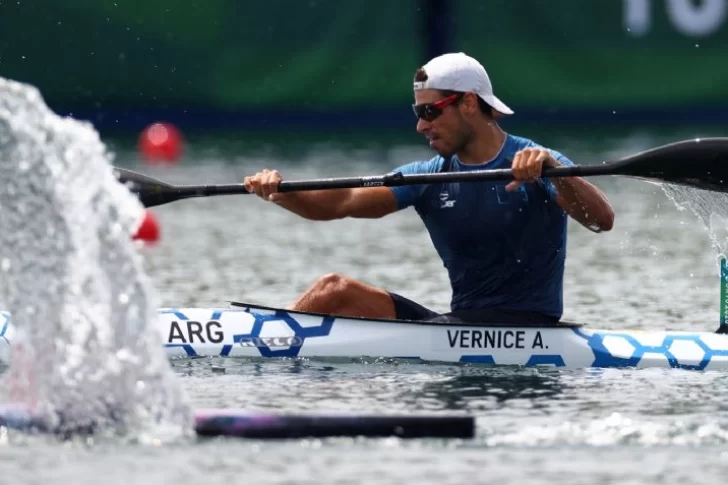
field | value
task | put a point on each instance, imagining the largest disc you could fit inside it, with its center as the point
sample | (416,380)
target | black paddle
(700,163)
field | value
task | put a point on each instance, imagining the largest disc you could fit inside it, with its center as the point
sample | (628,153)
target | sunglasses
(430,111)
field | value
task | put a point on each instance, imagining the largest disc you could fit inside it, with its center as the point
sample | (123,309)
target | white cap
(459,72)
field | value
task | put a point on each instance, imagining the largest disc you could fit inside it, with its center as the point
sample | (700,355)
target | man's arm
(324,205)
(584,202)
(580,199)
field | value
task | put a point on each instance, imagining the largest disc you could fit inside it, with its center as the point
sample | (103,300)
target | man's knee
(333,284)
(339,294)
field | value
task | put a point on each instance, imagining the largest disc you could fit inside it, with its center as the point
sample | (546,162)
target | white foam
(71,276)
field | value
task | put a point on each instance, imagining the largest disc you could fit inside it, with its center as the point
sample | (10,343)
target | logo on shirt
(445,201)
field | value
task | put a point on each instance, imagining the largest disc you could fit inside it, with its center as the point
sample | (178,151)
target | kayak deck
(259,308)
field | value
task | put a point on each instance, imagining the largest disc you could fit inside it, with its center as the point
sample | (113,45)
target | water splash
(711,209)
(70,275)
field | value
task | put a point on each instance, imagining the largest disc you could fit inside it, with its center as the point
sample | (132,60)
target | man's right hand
(264,184)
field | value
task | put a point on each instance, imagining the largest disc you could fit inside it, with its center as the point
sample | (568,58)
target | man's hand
(528,164)
(264,184)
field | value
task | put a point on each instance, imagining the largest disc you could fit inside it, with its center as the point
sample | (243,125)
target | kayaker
(502,243)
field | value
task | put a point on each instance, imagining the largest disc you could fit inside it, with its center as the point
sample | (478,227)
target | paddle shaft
(698,163)
(393,179)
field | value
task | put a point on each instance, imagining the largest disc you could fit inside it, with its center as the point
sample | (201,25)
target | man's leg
(339,295)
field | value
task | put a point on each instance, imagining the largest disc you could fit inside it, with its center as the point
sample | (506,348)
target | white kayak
(246,330)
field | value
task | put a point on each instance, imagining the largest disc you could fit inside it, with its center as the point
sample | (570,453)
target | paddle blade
(700,163)
(151,192)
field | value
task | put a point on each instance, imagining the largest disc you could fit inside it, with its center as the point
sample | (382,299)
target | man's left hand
(527,166)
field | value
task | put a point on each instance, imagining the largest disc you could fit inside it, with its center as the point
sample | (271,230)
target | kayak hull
(246,330)
(257,331)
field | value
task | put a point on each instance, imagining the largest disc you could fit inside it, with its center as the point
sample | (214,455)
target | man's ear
(471,103)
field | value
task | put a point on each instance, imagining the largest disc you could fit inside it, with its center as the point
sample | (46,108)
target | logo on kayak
(289,346)
(271,342)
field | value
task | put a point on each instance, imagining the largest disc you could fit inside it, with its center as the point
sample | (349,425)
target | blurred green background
(327,64)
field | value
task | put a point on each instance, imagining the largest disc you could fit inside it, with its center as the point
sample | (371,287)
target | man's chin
(445,153)
(442,150)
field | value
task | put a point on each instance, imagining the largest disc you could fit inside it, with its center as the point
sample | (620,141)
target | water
(72,279)
(710,209)
(658,268)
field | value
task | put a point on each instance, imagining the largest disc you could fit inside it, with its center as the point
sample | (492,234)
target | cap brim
(498,105)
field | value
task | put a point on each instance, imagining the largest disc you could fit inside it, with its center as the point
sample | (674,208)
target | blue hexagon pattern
(604,358)
(299,331)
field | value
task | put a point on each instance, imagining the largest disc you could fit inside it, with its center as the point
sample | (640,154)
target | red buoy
(161,143)
(148,231)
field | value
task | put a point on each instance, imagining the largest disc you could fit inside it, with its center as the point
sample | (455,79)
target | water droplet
(697,45)
(123,298)
(5,264)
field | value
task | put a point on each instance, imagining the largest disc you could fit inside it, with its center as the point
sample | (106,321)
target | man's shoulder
(422,166)
(408,195)
(520,143)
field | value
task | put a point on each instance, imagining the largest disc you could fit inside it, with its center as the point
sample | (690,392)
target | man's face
(440,120)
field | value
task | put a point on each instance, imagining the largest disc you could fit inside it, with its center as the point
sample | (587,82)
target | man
(503,243)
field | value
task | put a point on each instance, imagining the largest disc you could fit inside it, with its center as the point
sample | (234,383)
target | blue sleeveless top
(501,249)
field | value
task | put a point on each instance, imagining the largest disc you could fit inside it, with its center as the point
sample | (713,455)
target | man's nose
(422,125)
